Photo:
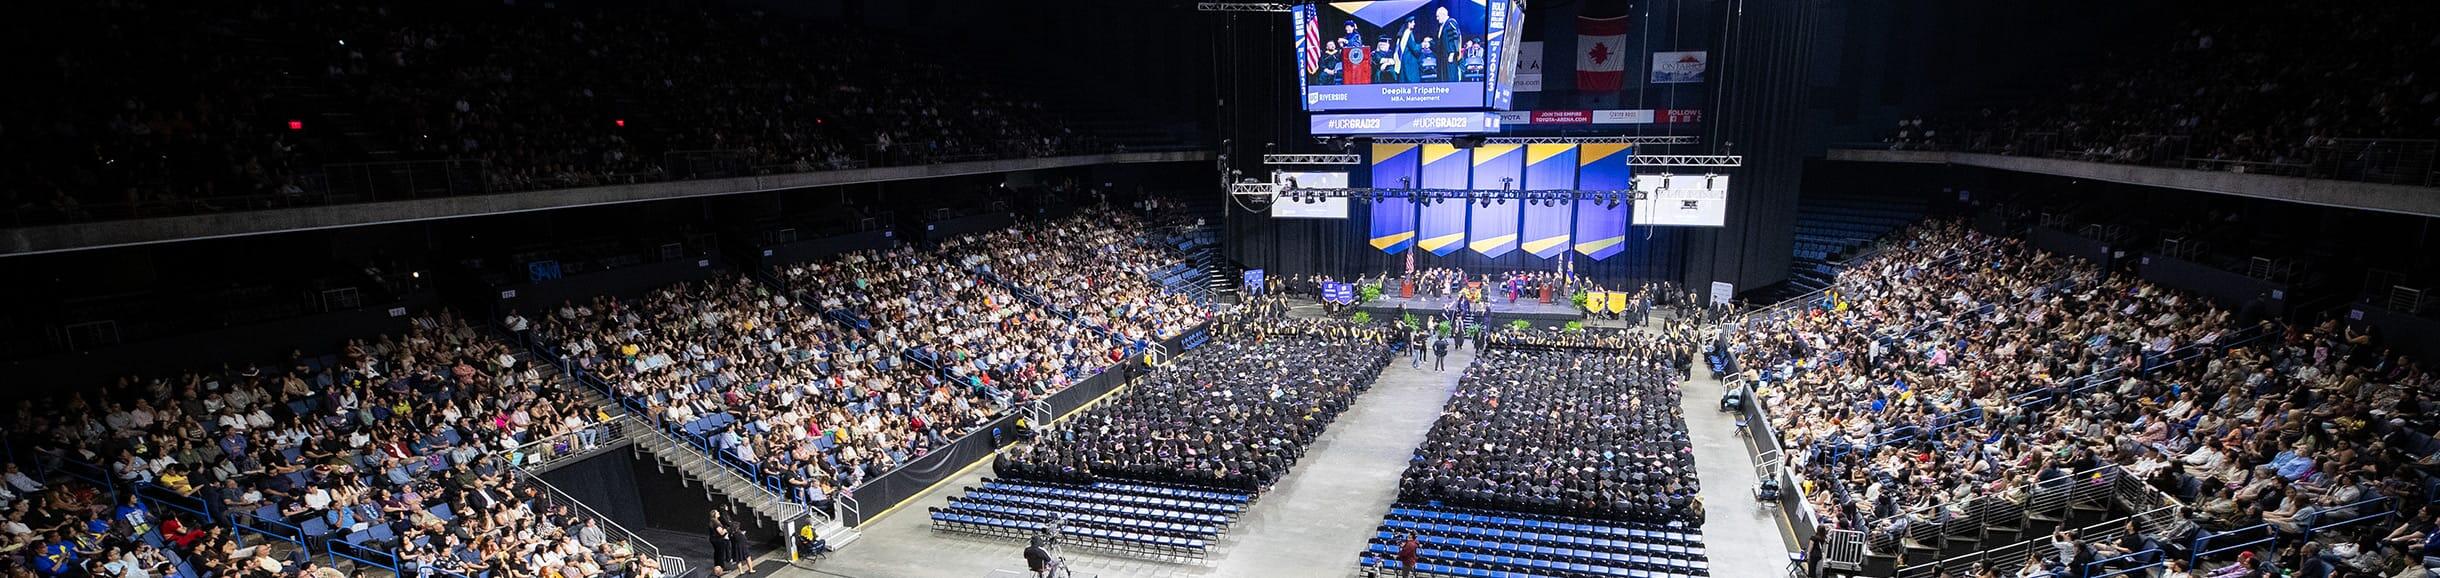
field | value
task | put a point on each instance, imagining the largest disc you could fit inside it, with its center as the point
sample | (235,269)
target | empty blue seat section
(1139,516)
(1489,543)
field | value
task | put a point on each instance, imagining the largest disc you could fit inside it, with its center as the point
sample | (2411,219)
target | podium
(1406,289)
(1545,294)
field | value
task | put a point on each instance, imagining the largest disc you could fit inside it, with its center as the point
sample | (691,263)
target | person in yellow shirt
(176,480)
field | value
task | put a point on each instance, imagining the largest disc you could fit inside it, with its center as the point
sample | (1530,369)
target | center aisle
(1315,521)
(1312,523)
(1745,538)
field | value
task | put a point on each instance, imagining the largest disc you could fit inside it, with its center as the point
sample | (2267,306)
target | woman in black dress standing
(741,551)
(722,553)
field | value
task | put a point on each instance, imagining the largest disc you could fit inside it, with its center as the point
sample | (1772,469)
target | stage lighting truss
(1241,7)
(1686,160)
(1633,140)
(1254,191)
(1437,196)
(1312,159)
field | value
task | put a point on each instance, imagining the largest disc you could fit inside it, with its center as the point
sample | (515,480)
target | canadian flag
(1601,57)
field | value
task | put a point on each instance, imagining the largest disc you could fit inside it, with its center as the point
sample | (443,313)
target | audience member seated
(1957,367)
(1093,265)
(1236,414)
(919,303)
(390,443)
(1565,433)
(772,382)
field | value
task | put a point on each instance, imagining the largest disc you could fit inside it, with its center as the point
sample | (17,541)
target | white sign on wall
(1529,67)
(1288,206)
(1682,200)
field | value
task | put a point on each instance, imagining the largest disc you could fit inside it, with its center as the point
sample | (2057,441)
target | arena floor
(1318,517)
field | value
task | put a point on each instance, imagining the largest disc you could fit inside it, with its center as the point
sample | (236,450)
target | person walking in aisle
(1407,550)
(1415,344)
(1440,355)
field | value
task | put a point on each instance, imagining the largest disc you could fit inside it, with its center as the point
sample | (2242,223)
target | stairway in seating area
(1130,518)
(1200,274)
(1830,230)
(687,448)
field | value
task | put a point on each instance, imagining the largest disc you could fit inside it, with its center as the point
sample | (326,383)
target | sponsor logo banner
(1678,67)
(1529,67)
(1562,117)
(1622,117)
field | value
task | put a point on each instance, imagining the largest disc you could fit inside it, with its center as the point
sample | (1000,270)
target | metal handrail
(543,450)
(2203,550)
(568,367)
(621,534)
(846,507)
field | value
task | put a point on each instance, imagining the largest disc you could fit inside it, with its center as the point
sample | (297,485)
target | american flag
(1311,41)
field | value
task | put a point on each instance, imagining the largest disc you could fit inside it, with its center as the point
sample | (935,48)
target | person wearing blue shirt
(58,557)
(133,513)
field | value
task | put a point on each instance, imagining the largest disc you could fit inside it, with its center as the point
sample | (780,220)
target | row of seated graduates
(1557,460)
(1236,414)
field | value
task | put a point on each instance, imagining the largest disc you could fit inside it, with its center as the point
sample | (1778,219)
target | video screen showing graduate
(1393,54)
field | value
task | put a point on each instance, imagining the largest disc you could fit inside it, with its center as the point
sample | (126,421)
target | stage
(1501,311)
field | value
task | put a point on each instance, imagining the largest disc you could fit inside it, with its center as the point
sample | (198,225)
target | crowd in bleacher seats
(1956,367)
(920,303)
(772,383)
(1236,414)
(1093,264)
(1565,432)
(2236,83)
(188,105)
(391,446)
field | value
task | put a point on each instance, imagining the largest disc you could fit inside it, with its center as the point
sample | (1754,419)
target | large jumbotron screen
(1406,54)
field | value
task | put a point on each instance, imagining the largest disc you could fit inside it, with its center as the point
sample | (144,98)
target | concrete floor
(1317,518)
(1744,538)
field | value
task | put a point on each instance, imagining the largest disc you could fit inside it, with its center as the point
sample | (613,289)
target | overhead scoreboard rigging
(1422,85)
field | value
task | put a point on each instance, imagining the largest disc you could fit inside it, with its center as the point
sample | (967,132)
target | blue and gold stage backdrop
(1497,166)
(1548,167)
(1443,230)
(1393,219)
(1601,231)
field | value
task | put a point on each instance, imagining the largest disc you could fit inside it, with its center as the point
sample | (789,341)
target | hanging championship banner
(1548,167)
(1443,229)
(1393,218)
(1601,229)
(1497,167)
